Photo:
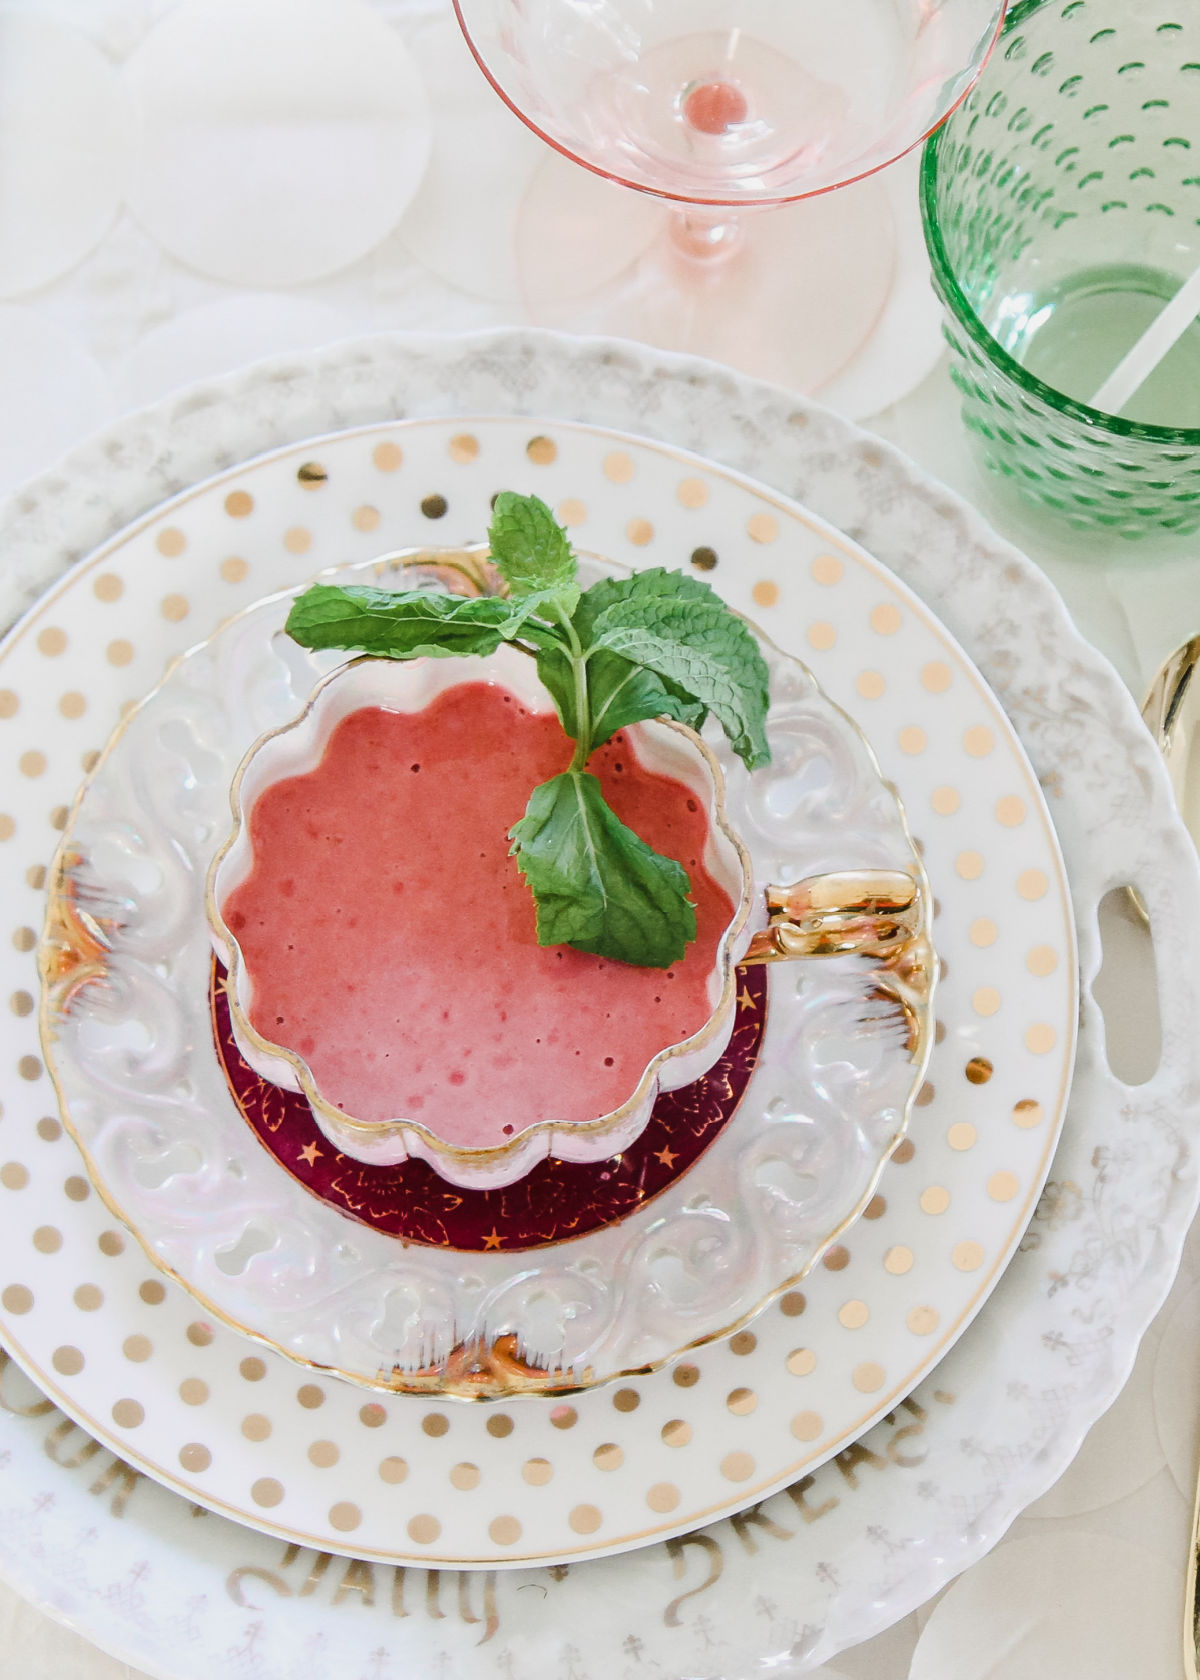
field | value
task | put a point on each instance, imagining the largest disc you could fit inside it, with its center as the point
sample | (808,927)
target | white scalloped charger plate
(143,1092)
(929,1488)
(407,1478)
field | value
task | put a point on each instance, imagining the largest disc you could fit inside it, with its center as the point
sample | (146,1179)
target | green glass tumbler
(1061,206)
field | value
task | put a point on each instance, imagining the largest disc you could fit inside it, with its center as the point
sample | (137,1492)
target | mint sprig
(657,644)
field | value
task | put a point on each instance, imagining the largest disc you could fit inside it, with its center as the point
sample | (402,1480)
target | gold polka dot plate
(308,1457)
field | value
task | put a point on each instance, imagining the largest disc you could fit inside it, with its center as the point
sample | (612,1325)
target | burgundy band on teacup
(558,1200)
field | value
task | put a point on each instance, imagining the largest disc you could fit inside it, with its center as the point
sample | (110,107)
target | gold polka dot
(686,1375)
(68,1362)
(852,1315)
(676,1432)
(572,511)
(692,492)
(499,1426)
(504,1531)
(119,652)
(193,1391)
(72,705)
(792,1304)
(979,1070)
(108,587)
(234,569)
(464,447)
(827,569)
(801,1361)
(765,593)
(392,1470)
(1032,884)
(936,677)
(1042,960)
(137,1348)
(465,1476)
(434,507)
(152,1292)
(435,1424)
(763,528)
(174,608)
(239,503)
(741,1401)
(984,931)
(898,1260)
(297,539)
(324,1454)
(311,475)
(16,1298)
(47,1239)
(266,1491)
(49,1130)
(979,741)
(962,1135)
(923,1321)
(1027,1114)
(9,703)
(7,827)
(806,1426)
(639,532)
(564,1417)
(14,1176)
(537,1471)
(868,1377)
(969,865)
(372,1415)
(310,1396)
(253,1369)
(836,1259)
(52,641)
(388,457)
(744,1342)
(32,763)
(663,1496)
(618,467)
(627,1399)
(59,815)
(585,1519)
(886,619)
(911,740)
(195,1456)
(985,1000)
(821,636)
(1010,811)
(877,1206)
(200,1334)
(542,451)
(967,1256)
(35,875)
(737,1467)
(256,1427)
(1003,1186)
(171,542)
(935,1199)
(424,1529)
(111,1243)
(24,939)
(88,1298)
(1040,1039)
(366,518)
(608,1456)
(128,1414)
(870,684)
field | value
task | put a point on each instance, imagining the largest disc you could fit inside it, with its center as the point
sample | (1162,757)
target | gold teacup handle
(859,912)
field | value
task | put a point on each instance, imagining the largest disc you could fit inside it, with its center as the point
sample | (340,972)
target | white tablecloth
(104,307)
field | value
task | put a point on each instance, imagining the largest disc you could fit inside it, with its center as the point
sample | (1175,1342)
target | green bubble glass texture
(1061,206)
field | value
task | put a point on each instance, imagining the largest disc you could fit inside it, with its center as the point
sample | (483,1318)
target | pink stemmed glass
(723,107)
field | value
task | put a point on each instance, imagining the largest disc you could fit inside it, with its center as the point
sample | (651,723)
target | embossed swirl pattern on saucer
(301,1454)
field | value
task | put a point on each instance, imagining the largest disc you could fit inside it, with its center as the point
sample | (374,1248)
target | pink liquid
(391,941)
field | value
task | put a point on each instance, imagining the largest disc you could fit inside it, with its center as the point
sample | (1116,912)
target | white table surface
(98,316)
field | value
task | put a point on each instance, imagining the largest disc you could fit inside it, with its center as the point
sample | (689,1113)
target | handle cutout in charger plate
(1126,989)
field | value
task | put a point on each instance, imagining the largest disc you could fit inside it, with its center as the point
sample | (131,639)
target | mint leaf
(398,624)
(532,552)
(618,693)
(597,886)
(678,628)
